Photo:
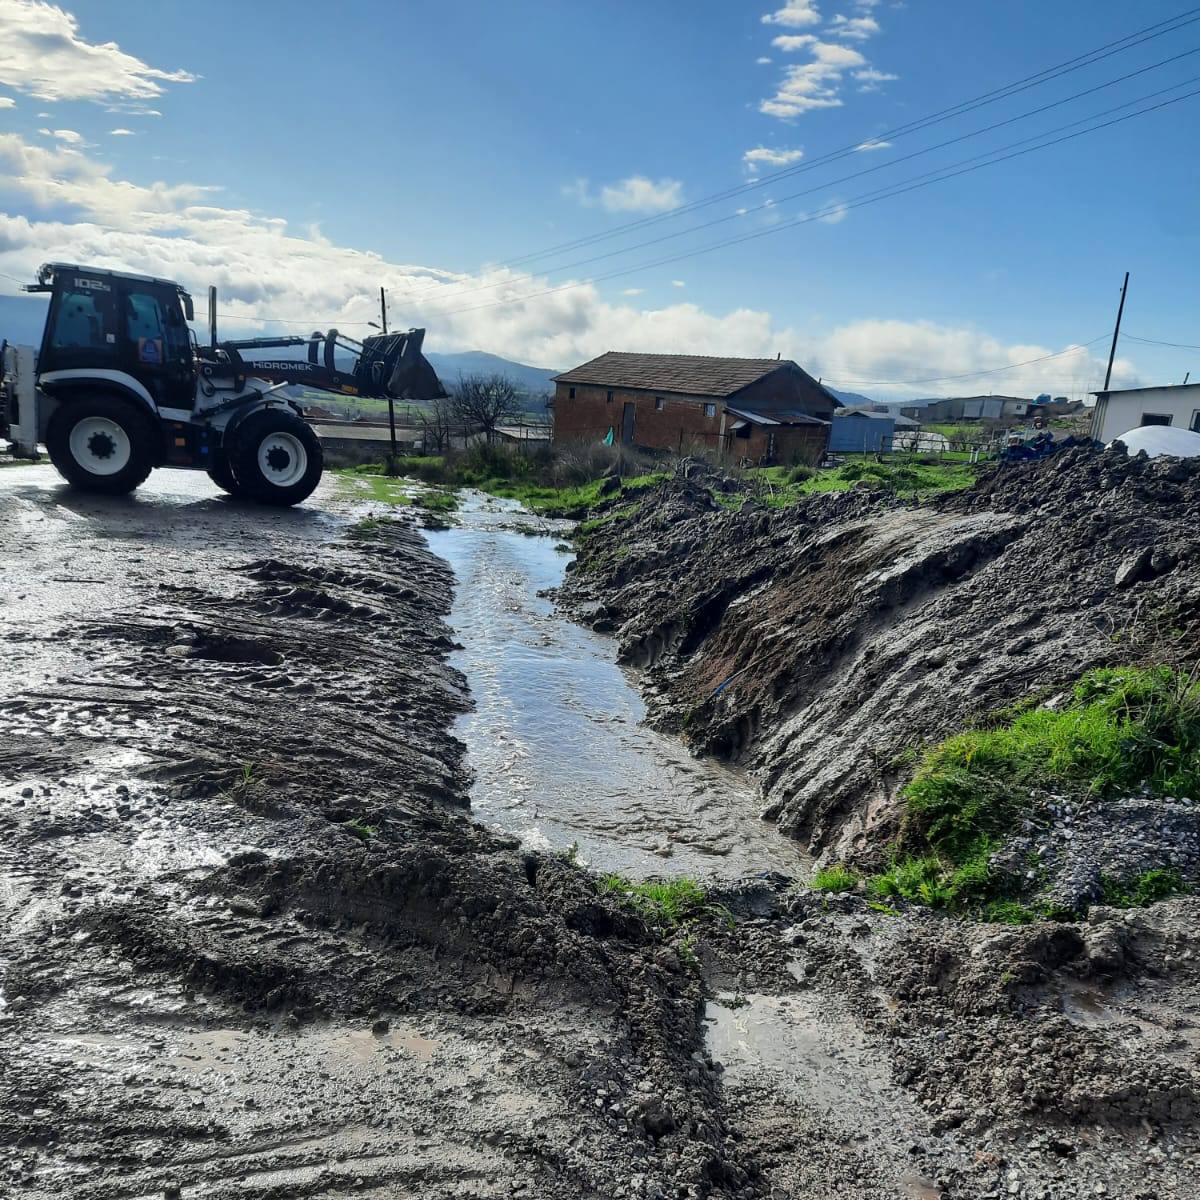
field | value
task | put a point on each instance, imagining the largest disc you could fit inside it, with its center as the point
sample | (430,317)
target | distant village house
(762,410)
(1118,411)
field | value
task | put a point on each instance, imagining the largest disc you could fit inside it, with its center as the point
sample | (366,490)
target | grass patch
(1144,889)
(664,903)
(835,878)
(1120,730)
(782,486)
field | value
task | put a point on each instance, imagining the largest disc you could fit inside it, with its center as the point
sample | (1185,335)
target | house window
(710,410)
(609,397)
(659,404)
(570,393)
(1156,418)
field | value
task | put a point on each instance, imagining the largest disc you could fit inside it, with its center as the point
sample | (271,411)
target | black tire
(276,458)
(221,473)
(102,443)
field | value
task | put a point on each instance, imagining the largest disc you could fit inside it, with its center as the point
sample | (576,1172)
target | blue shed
(861,433)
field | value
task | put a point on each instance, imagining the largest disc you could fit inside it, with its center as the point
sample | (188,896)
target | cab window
(83,323)
(154,328)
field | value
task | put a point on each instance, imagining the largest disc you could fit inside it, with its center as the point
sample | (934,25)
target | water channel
(556,740)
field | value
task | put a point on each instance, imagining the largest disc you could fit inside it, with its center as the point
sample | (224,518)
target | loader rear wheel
(276,458)
(101,443)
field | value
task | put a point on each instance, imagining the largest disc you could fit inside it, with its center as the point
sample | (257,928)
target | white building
(1118,412)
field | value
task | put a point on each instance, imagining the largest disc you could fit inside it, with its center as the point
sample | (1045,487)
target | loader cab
(113,324)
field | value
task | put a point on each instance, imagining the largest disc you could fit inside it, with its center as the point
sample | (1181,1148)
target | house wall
(680,425)
(855,433)
(785,388)
(782,445)
(1119,412)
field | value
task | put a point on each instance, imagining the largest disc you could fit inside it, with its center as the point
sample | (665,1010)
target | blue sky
(301,156)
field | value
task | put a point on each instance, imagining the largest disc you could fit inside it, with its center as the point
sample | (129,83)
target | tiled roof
(689,374)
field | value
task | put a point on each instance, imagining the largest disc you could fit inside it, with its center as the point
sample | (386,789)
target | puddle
(556,738)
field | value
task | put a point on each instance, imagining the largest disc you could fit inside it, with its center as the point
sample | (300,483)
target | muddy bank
(818,645)
(253,944)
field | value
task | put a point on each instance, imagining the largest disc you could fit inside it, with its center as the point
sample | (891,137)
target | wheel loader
(121,385)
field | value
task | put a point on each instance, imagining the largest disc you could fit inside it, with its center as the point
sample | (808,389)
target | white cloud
(790,42)
(635,194)
(873,355)
(64,135)
(632,291)
(872,145)
(7,102)
(42,53)
(814,84)
(678,283)
(121,133)
(858,28)
(870,79)
(835,215)
(762,61)
(57,203)
(795,14)
(763,156)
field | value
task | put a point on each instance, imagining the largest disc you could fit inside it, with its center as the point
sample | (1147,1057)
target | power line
(1129,41)
(940,175)
(772,203)
(1154,342)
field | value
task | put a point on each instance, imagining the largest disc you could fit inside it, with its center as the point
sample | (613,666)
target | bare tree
(485,401)
(439,421)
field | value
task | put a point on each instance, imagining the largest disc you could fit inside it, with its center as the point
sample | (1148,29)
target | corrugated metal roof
(689,374)
(777,416)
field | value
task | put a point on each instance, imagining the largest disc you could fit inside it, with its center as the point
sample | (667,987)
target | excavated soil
(818,646)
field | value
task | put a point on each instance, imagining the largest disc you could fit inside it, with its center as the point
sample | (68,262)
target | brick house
(759,409)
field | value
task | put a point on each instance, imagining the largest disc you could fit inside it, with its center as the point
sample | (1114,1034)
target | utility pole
(391,402)
(1116,332)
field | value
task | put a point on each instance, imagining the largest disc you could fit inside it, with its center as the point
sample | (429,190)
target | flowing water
(556,740)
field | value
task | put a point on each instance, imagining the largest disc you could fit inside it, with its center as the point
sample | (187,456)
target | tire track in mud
(252,947)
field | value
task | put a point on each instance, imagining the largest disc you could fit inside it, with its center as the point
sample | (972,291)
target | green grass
(360,829)
(1143,889)
(665,903)
(783,486)
(1122,729)
(835,878)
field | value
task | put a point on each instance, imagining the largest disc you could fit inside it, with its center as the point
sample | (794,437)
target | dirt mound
(821,643)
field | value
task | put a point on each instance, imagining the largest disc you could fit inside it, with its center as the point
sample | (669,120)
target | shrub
(800,474)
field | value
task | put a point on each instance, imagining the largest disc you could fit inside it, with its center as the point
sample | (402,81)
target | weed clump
(835,878)
(1120,730)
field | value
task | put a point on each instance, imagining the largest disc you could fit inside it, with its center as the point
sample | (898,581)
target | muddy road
(253,944)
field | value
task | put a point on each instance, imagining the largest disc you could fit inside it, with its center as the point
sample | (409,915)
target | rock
(1134,569)
(657,1116)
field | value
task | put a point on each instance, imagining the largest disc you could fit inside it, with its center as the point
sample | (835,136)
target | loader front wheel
(276,458)
(101,443)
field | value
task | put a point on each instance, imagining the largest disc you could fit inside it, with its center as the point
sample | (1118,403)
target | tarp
(1159,440)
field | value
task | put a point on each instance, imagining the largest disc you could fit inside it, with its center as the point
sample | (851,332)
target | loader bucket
(398,369)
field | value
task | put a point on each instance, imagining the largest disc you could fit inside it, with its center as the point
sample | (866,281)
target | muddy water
(556,739)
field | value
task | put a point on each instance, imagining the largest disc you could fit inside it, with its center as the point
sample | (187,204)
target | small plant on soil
(666,903)
(361,830)
(835,878)
(571,854)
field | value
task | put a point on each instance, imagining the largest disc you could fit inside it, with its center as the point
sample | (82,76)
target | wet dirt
(555,734)
(251,942)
